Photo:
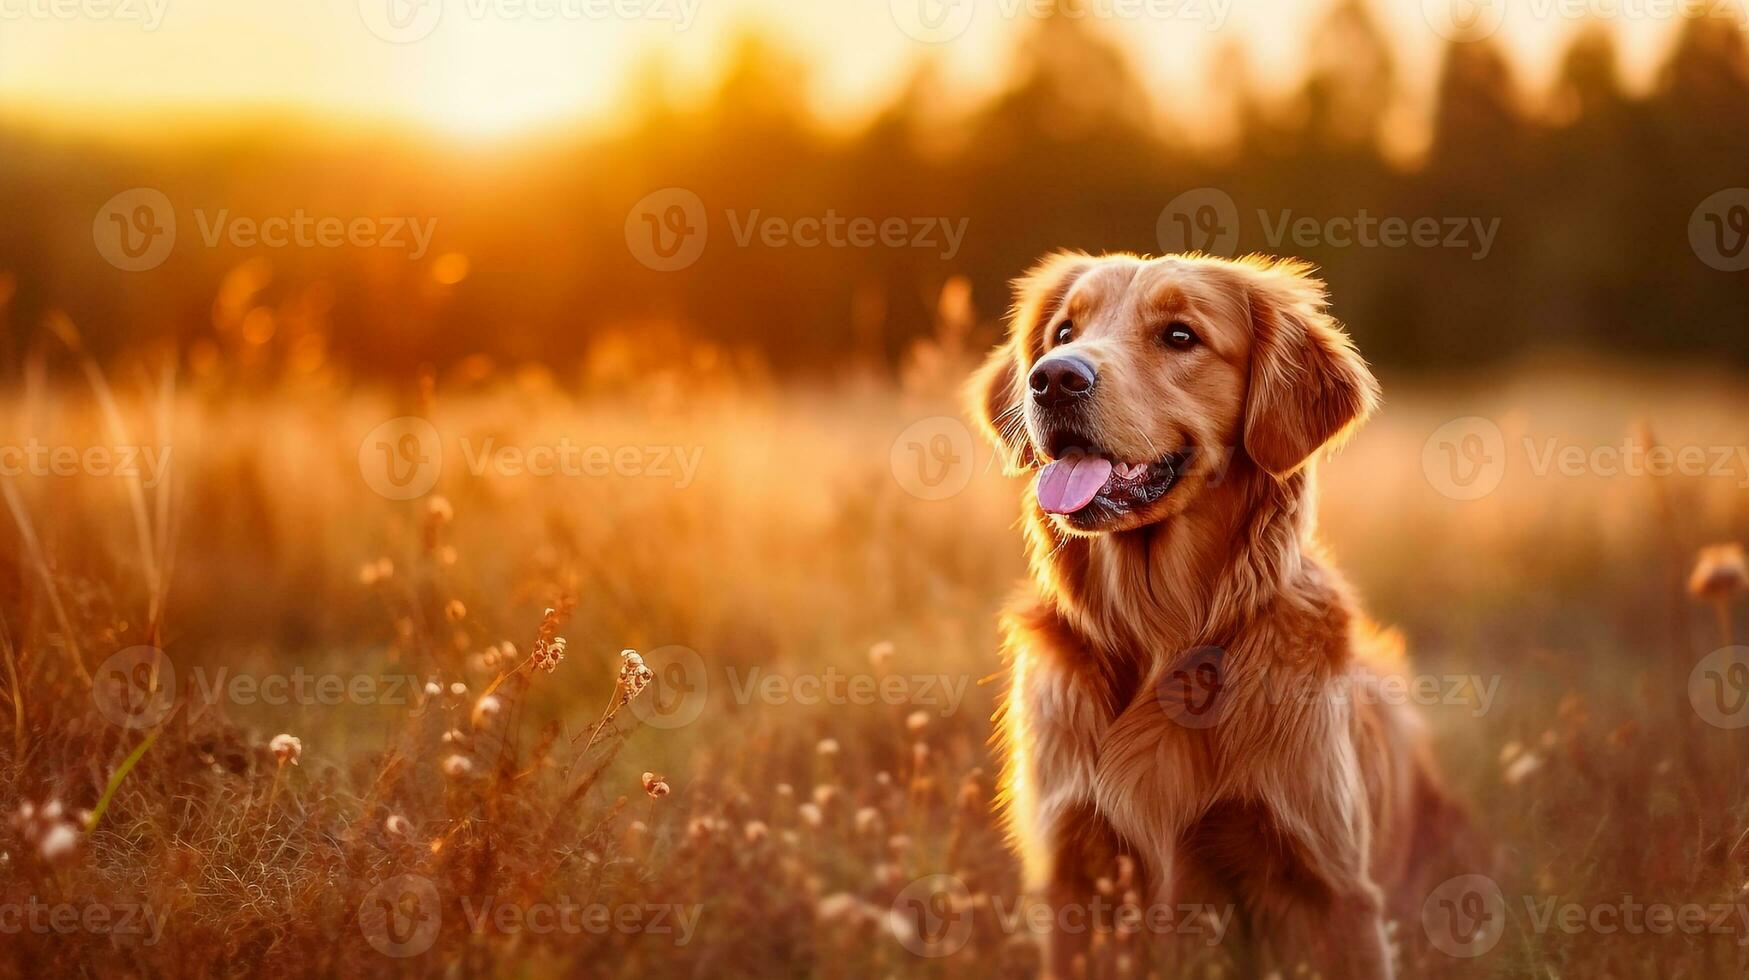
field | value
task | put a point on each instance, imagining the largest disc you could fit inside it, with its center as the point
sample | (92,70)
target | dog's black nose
(1061,378)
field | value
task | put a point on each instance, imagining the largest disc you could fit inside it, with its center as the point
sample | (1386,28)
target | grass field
(822,658)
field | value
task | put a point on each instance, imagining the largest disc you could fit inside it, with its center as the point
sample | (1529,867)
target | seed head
(655,786)
(634,676)
(1721,573)
(486,709)
(287,748)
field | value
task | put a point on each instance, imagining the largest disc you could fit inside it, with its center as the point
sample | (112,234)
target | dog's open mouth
(1092,485)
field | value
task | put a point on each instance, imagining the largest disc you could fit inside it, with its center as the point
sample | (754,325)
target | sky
(482,68)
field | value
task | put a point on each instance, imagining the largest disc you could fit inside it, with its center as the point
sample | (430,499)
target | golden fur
(1298,801)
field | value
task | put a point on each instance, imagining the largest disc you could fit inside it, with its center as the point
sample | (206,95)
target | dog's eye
(1180,337)
(1065,332)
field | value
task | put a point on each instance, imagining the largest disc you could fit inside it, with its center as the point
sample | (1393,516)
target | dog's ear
(1309,387)
(996,395)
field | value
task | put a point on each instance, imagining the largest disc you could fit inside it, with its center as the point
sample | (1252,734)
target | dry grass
(788,828)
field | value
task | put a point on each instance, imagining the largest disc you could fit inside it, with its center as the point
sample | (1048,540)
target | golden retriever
(1192,683)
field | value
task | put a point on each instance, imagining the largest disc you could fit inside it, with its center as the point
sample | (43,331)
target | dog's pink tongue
(1067,485)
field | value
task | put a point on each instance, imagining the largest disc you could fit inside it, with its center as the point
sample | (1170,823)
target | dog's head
(1130,383)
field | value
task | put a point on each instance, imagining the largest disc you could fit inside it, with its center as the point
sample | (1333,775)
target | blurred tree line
(1593,189)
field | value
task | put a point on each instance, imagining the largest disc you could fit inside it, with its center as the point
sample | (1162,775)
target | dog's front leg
(1083,848)
(1325,818)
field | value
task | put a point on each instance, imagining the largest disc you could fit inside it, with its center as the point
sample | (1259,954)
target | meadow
(802,738)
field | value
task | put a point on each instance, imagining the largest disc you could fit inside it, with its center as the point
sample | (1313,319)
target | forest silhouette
(1590,189)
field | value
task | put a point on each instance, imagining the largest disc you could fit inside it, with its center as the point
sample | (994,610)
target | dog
(1192,685)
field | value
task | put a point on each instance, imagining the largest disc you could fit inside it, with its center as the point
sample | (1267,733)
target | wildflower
(440,510)
(453,735)
(547,653)
(811,814)
(458,689)
(454,611)
(397,824)
(58,842)
(824,795)
(655,786)
(287,748)
(458,766)
(916,721)
(1521,769)
(840,907)
(433,689)
(868,820)
(827,747)
(880,654)
(755,831)
(1721,573)
(634,676)
(486,709)
(47,829)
